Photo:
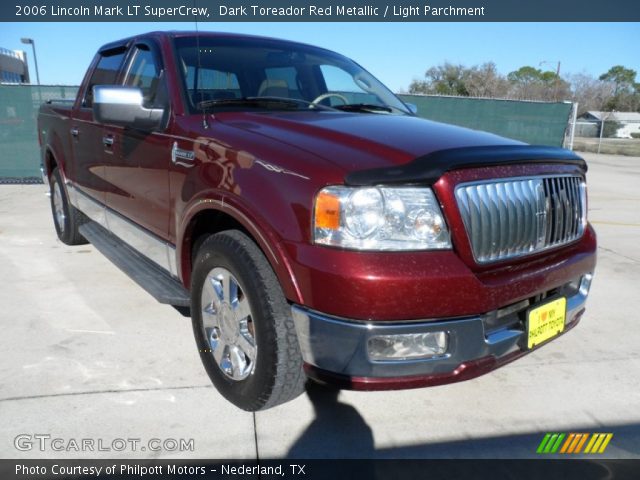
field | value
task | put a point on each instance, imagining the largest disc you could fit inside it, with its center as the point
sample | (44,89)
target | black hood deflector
(429,168)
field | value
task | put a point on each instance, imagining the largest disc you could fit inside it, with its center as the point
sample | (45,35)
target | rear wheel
(242,324)
(66,218)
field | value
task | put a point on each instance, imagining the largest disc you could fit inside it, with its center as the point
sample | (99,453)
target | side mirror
(413,108)
(124,106)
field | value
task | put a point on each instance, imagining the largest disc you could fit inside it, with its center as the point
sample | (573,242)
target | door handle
(74,131)
(107,140)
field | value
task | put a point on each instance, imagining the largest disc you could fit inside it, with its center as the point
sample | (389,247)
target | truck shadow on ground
(339,431)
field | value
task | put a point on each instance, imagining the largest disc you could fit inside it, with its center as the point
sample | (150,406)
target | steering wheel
(324,96)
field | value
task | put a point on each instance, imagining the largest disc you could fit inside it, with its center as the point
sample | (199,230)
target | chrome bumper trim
(340,345)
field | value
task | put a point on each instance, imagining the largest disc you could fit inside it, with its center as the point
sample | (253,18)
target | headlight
(379,218)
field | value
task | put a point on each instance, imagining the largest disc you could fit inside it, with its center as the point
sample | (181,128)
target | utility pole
(30,41)
(555,93)
(605,117)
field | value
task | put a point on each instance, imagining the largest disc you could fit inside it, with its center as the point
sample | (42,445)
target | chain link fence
(611,134)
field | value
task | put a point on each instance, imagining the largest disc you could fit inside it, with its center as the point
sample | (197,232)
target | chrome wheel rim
(58,207)
(228,324)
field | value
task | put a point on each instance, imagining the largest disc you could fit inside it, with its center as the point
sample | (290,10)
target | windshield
(233,74)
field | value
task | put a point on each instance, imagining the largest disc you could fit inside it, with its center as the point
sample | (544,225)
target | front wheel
(242,324)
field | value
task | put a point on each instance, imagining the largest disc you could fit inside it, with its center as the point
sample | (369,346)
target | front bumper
(335,349)
(405,286)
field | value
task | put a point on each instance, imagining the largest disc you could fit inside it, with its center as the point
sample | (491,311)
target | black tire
(66,218)
(276,375)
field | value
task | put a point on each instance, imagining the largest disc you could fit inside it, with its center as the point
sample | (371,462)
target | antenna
(205,124)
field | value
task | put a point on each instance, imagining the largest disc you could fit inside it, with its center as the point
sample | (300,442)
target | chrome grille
(515,217)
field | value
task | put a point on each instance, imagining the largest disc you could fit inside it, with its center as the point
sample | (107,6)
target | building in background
(13,66)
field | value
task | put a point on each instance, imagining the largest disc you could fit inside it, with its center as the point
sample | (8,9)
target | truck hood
(356,141)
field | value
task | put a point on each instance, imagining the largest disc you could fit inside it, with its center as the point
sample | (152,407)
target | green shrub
(611,128)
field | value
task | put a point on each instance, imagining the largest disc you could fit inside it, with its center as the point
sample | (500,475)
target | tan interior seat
(273,88)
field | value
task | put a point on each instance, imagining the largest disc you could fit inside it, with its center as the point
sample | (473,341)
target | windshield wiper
(255,102)
(306,103)
(363,107)
(369,107)
(263,102)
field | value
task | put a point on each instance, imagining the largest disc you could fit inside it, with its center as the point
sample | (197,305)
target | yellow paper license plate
(546,321)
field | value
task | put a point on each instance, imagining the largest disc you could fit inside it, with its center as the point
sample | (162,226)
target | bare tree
(485,81)
(590,93)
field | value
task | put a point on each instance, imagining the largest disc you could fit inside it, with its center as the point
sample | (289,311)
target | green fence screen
(19,149)
(537,123)
(532,122)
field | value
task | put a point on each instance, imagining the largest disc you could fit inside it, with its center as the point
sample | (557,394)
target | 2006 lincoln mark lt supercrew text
(309,221)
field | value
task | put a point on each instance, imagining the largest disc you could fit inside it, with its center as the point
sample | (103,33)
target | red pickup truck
(309,222)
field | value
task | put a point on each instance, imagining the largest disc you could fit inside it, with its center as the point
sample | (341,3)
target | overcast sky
(394,52)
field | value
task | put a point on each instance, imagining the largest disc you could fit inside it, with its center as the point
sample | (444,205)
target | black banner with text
(320,11)
(582,469)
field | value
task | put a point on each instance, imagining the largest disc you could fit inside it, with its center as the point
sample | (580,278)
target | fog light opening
(410,346)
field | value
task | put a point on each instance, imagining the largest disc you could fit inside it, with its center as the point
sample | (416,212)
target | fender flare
(266,239)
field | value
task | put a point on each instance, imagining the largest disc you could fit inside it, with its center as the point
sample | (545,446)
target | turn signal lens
(327,212)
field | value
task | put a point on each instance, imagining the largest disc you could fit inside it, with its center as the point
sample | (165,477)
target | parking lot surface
(87,354)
